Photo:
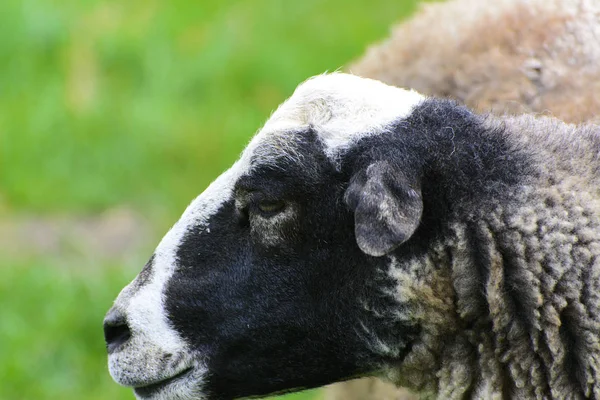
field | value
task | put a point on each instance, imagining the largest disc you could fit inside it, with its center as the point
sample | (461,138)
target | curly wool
(508,56)
(509,301)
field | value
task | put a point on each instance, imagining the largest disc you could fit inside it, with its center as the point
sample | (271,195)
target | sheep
(508,56)
(370,230)
(518,56)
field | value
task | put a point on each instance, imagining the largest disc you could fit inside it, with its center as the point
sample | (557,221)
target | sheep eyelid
(260,205)
(268,208)
(255,202)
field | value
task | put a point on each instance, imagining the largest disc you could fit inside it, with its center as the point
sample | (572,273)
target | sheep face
(261,286)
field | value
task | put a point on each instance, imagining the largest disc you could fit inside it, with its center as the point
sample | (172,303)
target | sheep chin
(187,384)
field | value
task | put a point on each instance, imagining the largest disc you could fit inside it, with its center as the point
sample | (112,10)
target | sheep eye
(270,207)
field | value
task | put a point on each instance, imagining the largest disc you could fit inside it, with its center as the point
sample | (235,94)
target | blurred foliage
(136,103)
(51,338)
(144,102)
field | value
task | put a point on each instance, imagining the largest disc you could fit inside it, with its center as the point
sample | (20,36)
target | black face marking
(232,296)
(270,318)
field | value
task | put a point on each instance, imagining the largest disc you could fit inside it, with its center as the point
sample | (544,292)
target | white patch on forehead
(341,109)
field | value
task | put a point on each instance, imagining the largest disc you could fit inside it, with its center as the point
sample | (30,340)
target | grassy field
(133,105)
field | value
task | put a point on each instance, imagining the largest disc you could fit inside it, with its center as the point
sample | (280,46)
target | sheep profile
(370,230)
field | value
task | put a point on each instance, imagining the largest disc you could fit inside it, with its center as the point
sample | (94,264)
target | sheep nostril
(116,331)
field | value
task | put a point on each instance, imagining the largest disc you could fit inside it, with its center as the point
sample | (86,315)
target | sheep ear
(387,208)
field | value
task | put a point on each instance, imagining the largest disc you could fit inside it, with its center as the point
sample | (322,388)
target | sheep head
(275,276)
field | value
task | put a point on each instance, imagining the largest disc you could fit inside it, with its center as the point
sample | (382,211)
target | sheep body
(540,284)
(503,56)
(513,307)
(508,56)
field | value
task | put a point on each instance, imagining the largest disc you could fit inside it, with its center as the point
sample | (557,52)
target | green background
(113,116)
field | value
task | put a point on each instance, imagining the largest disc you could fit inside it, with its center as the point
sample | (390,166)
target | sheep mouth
(148,391)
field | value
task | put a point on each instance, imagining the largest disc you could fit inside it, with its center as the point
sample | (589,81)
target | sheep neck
(505,299)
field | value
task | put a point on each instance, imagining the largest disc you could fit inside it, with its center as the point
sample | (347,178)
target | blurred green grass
(144,102)
(138,104)
(50,341)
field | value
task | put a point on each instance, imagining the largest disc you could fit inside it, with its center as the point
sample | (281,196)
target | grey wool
(509,301)
(534,330)
(508,56)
